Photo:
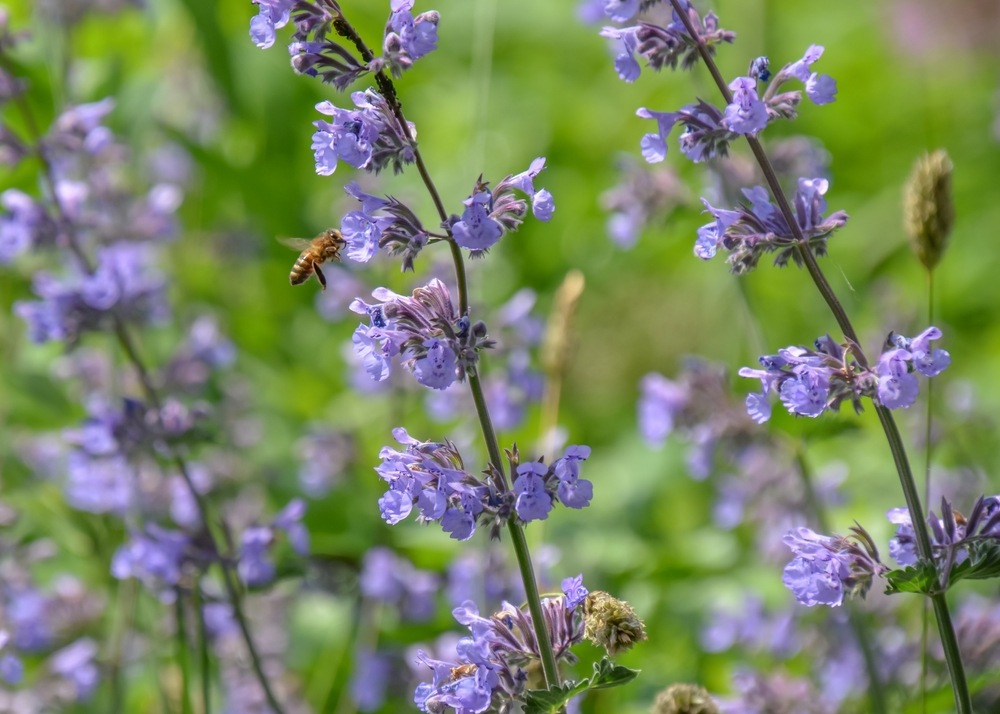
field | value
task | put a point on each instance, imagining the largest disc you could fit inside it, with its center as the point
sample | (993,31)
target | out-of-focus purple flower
(256,567)
(660,400)
(28,614)
(393,580)
(370,679)
(626,65)
(77,663)
(324,454)
(155,557)
(826,569)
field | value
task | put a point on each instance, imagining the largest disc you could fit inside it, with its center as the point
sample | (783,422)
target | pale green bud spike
(928,209)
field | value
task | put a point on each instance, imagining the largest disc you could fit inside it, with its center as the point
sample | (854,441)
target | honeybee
(326,246)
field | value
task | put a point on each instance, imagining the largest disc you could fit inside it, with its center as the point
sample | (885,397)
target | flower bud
(928,209)
(684,699)
(611,623)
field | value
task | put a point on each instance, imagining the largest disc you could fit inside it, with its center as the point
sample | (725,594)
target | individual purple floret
(809,382)
(424,330)
(255,566)
(828,568)
(490,214)
(758,227)
(155,557)
(77,663)
(369,137)
(271,15)
(574,591)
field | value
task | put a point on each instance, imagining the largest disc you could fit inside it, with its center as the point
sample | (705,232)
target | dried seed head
(928,209)
(684,699)
(611,623)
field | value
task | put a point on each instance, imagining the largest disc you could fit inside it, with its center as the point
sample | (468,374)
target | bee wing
(299,244)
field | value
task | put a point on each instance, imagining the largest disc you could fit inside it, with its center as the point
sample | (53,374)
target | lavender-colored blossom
(746,114)
(670,45)
(759,227)
(371,677)
(271,16)
(626,65)
(77,664)
(155,557)
(575,591)
(369,137)
(704,135)
(423,326)
(255,566)
(476,230)
(393,580)
(28,613)
(408,38)
(533,503)
(826,569)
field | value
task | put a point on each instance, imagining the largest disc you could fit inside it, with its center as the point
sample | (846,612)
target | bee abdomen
(300,271)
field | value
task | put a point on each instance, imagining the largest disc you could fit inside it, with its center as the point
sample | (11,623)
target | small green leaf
(920,578)
(608,674)
(552,701)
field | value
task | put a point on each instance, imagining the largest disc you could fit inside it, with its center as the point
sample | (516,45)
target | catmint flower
(828,568)
(611,623)
(746,114)
(24,225)
(77,664)
(325,455)
(124,282)
(574,591)
(425,326)
(642,197)
(255,566)
(396,228)
(810,382)
(626,65)
(704,136)
(493,664)
(271,16)
(670,45)
(758,227)
(488,215)
(391,579)
(408,38)
(821,89)
(369,137)
(432,478)
(155,557)
(953,536)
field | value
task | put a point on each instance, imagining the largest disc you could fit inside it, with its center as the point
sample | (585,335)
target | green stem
(949,640)
(183,653)
(205,662)
(518,540)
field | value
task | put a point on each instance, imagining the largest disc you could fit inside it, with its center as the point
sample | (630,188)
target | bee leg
(320,277)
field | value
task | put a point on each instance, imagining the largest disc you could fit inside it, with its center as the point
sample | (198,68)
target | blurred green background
(511,81)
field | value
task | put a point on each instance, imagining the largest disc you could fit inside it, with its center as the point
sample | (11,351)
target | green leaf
(608,674)
(551,701)
(920,578)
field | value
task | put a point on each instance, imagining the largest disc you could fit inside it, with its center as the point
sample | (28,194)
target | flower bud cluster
(810,382)
(432,478)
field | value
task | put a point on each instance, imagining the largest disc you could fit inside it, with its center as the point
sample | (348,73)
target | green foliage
(606,675)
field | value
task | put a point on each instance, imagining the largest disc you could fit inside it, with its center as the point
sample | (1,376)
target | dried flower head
(684,699)
(611,623)
(928,209)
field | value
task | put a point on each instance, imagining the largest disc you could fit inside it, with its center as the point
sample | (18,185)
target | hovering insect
(326,246)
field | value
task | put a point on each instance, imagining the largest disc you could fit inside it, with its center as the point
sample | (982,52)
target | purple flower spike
(828,568)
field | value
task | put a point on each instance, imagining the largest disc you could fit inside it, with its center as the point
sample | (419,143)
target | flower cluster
(490,214)
(369,137)
(828,568)
(660,46)
(498,659)
(434,342)
(955,538)
(760,227)
(810,382)
(708,130)
(431,477)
